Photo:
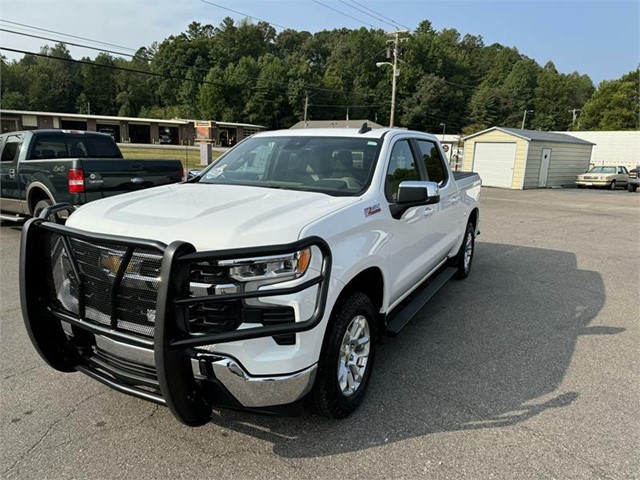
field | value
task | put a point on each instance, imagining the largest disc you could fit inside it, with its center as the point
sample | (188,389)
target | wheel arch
(474,216)
(369,281)
(38,191)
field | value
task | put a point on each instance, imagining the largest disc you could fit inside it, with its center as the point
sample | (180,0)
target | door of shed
(544,167)
(494,162)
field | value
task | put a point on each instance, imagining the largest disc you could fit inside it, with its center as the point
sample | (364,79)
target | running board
(11,218)
(404,316)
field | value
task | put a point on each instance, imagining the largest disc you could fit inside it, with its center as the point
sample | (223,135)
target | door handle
(427,211)
(455,198)
(12,173)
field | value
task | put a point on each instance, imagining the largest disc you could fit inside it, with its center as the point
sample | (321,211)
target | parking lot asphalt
(527,369)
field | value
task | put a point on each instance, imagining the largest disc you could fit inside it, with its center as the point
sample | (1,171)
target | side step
(411,309)
(11,218)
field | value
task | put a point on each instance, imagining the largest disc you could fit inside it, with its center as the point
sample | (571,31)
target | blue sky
(599,38)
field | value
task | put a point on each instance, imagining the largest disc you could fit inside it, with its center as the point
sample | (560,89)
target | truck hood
(208,216)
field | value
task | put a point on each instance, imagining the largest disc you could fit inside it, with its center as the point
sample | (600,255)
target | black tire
(612,185)
(327,397)
(40,206)
(632,188)
(458,262)
(580,186)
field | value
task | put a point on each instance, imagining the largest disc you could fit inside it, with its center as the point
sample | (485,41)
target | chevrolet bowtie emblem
(111,263)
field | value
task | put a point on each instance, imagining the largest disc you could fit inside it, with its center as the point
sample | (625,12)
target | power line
(367,13)
(349,106)
(191,67)
(69,35)
(135,70)
(68,43)
(341,13)
(383,16)
(243,14)
(168,76)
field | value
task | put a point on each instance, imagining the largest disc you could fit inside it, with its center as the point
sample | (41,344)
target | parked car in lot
(610,176)
(40,168)
(268,278)
(634,179)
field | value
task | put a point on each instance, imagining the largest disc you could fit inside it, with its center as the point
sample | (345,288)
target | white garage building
(519,159)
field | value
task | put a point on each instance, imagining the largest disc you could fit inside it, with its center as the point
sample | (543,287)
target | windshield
(603,170)
(331,165)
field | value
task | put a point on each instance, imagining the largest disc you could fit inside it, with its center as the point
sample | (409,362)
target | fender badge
(372,210)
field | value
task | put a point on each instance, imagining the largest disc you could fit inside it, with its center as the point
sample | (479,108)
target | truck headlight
(274,267)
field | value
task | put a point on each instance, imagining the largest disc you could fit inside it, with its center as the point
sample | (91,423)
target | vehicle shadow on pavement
(487,352)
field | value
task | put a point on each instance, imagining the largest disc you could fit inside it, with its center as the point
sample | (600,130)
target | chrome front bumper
(250,391)
(593,183)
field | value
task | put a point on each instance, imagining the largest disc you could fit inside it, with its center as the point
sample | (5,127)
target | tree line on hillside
(247,72)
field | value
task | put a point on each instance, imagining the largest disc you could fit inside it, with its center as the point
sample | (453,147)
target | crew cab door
(9,179)
(447,219)
(413,235)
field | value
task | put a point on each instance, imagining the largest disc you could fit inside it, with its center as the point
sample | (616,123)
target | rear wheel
(632,188)
(612,185)
(40,206)
(462,261)
(347,357)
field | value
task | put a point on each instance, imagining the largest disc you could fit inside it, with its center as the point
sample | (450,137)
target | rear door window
(433,162)
(48,146)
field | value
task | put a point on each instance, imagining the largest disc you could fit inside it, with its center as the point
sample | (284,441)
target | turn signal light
(76,180)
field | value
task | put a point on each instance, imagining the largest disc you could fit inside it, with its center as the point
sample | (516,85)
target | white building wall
(620,147)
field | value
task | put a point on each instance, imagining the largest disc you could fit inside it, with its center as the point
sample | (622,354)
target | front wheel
(632,188)
(347,357)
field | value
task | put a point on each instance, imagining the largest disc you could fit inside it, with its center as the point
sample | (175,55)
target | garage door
(494,163)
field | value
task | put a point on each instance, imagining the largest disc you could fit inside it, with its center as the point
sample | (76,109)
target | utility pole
(574,111)
(396,73)
(524,117)
(444,126)
(88,108)
(306,106)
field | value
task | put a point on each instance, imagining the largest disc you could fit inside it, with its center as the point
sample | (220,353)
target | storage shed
(519,159)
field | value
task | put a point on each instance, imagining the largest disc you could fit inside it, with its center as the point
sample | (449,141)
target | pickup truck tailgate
(112,177)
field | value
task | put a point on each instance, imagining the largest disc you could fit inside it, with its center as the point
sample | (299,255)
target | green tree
(614,106)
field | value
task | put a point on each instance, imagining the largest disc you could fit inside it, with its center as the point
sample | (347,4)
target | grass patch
(190,157)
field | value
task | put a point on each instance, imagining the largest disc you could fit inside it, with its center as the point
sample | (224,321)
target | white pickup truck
(267,279)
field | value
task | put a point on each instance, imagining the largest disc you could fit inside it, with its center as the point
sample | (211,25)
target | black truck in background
(39,168)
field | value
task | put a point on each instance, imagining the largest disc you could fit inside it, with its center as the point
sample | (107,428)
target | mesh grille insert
(98,264)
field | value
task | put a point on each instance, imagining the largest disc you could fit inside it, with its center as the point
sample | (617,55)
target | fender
(37,185)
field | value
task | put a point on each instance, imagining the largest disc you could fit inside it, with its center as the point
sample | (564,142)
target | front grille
(133,307)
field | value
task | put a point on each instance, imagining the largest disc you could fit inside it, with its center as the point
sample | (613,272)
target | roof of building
(534,135)
(112,118)
(335,124)
(95,117)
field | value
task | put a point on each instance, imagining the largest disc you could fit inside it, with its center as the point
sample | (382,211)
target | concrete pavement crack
(557,445)
(22,372)
(46,433)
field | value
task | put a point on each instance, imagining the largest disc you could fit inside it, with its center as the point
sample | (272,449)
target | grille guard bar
(172,343)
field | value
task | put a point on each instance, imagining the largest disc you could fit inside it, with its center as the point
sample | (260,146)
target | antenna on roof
(364,128)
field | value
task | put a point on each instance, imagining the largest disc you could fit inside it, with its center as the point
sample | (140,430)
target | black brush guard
(172,344)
